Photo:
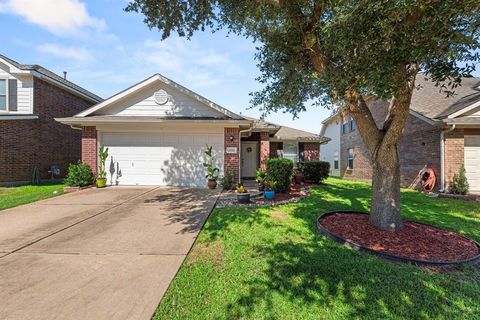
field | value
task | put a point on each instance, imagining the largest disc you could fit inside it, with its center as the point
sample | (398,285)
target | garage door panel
(159,158)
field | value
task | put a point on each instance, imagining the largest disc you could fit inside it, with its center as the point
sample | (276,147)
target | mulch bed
(415,241)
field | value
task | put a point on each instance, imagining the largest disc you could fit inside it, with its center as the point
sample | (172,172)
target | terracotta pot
(101,182)
(299,178)
(212,184)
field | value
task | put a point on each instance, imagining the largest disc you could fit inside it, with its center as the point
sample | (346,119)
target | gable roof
(283,132)
(154,78)
(34,69)
(433,104)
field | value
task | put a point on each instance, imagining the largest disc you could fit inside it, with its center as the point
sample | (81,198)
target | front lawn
(271,263)
(15,196)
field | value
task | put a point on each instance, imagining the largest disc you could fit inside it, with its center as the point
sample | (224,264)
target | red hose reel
(428,180)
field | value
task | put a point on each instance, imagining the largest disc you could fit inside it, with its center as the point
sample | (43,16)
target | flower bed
(297,193)
(416,243)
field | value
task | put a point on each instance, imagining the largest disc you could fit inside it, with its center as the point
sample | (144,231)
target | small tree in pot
(212,171)
(102,174)
(270,186)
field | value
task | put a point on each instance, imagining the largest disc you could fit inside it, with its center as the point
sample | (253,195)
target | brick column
(454,154)
(89,147)
(231,160)
(311,151)
(264,149)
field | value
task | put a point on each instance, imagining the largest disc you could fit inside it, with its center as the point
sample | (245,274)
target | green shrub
(315,171)
(280,170)
(460,183)
(227,182)
(79,175)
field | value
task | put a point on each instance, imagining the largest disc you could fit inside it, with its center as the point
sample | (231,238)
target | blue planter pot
(269,195)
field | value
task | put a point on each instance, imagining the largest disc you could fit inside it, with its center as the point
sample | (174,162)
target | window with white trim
(350,159)
(290,150)
(3,95)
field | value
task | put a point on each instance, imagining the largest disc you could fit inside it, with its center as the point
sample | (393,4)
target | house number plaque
(231,150)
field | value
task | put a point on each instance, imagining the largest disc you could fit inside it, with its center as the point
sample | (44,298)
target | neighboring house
(331,150)
(30,98)
(441,133)
(156,132)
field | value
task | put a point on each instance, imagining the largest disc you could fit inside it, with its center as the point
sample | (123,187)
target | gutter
(442,157)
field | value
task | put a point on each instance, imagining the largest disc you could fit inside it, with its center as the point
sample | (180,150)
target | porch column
(264,149)
(231,156)
(89,147)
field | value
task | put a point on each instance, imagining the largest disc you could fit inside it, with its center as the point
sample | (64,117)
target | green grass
(15,196)
(271,263)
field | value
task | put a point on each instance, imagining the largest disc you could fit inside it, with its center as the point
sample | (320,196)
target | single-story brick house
(30,97)
(441,133)
(157,130)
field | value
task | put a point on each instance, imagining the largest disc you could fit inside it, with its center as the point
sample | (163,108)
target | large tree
(347,52)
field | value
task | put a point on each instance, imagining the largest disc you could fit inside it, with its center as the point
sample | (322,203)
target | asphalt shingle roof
(52,75)
(430,102)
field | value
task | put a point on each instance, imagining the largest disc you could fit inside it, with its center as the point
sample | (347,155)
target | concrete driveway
(97,254)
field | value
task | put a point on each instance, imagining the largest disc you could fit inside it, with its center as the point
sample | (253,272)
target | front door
(249,159)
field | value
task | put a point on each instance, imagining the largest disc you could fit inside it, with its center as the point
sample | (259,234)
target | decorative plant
(212,171)
(270,185)
(460,183)
(241,188)
(102,155)
(261,174)
(79,175)
(227,182)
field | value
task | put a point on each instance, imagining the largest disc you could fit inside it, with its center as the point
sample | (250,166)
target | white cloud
(60,17)
(183,59)
(81,54)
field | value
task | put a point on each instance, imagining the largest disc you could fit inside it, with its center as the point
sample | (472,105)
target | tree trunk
(385,209)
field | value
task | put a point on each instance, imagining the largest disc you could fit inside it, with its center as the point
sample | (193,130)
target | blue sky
(105,50)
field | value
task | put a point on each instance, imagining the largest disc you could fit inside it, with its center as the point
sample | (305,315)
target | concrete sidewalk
(98,253)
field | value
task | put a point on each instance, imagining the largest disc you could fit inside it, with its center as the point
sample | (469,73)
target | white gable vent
(161,97)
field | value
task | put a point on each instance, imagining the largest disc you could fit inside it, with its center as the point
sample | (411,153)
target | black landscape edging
(391,257)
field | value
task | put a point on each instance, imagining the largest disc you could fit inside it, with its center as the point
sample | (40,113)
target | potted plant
(102,174)
(261,174)
(299,176)
(270,186)
(242,195)
(212,171)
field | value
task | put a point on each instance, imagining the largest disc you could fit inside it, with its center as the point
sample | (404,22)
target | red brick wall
(44,141)
(311,151)
(419,147)
(264,149)
(231,161)
(89,147)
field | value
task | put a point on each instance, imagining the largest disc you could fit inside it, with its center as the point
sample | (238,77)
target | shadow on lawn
(311,271)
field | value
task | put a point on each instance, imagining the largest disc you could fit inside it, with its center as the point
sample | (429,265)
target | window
(3,95)
(344,126)
(352,124)
(350,159)
(335,164)
(290,150)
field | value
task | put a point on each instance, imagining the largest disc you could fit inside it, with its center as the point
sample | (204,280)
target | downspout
(240,152)
(442,157)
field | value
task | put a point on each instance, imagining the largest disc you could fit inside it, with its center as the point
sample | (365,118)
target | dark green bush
(79,175)
(280,170)
(315,171)
(227,182)
(460,183)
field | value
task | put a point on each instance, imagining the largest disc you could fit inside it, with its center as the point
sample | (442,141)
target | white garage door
(472,162)
(174,159)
